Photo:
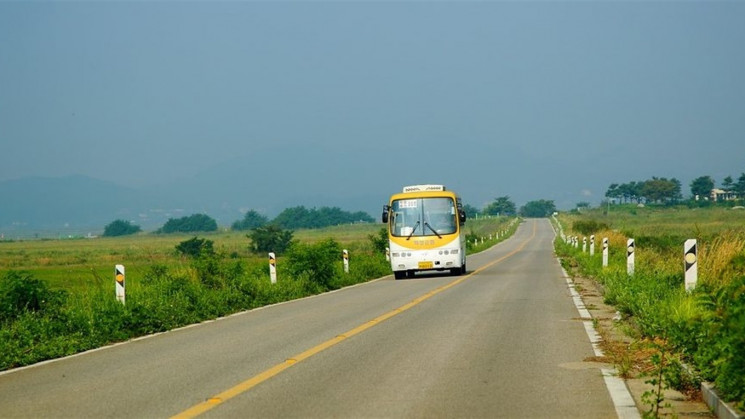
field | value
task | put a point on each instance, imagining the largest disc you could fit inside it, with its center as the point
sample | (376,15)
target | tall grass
(705,327)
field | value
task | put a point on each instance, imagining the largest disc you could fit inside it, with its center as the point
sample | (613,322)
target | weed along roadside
(665,331)
(54,304)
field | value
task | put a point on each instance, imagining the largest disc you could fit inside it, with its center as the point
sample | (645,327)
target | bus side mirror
(462,216)
(386,210)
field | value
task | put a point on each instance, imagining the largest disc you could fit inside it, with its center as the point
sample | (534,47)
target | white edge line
(619,393)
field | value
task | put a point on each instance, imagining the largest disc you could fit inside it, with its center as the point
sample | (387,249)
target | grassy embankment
(704,328)
(57,296)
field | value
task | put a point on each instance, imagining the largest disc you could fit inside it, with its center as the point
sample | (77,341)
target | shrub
(379,241)
(20,292)
(269,239)
(196,247)
(318,261)
(120,228)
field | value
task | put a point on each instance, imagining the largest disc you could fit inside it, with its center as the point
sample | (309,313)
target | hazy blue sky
(550,100)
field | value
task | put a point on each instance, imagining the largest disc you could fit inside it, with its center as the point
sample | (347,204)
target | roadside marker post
(273,267)
(346,261)
(592,245)
(387,254)
(605,252)
(690,257)
(630,248)
(119,279)
(584,244)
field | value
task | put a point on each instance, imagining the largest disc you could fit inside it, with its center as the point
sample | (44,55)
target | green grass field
(77,264)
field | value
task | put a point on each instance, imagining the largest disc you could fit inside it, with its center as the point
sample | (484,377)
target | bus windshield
(423,217)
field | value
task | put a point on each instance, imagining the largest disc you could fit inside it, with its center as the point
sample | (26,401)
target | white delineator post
(387,254)
(605,252)
(346,260)
(690,256)
(119,278)
(592,245)
(273,268)
(584,244)
(630,247)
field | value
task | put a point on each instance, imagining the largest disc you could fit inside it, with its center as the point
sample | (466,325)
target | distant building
(722,195)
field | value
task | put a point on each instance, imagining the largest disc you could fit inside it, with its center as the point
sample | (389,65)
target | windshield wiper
(413,230)
(426,224)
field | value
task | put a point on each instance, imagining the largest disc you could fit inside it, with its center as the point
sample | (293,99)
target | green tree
(470,211)
(740,186)
(120,228)
(661,189)
(269,238)
(728,184)
(250,221)
(301,217)
(702,186)
(613,191)
(540,208)
(501,206)
(195,222)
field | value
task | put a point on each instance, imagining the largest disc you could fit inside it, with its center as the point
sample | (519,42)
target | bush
(269,239)
(20,292)
(196,247)
(316,261)
(120,228)
(721,354)
(379,241)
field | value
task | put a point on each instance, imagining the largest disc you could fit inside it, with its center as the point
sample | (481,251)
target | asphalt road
(502,341)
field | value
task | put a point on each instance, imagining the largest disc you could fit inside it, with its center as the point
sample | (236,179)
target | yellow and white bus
(425,231)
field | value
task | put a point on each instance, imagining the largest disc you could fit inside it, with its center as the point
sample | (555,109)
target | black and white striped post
(273,267)
(346,260)
(690,256)
(592,245)
(387,254)
(605,252)
(584,244)
(119,278)
(630,248)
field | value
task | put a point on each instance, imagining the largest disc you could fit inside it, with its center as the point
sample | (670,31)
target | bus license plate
(425,265)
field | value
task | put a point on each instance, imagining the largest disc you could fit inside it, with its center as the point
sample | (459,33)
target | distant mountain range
(273,179)
(268,183)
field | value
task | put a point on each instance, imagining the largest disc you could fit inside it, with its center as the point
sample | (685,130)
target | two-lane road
(502,341)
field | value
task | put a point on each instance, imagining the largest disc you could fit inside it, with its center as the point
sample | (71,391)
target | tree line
(504,206)
(663,190)
(290,218)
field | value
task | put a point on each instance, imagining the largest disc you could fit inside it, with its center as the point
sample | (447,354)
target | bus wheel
(399,274)
(455,271)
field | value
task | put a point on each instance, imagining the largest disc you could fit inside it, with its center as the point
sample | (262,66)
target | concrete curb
(717,405)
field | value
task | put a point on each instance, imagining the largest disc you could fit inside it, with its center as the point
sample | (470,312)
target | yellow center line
(243,387)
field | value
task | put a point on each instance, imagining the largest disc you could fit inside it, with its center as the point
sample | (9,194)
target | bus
(425,231)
